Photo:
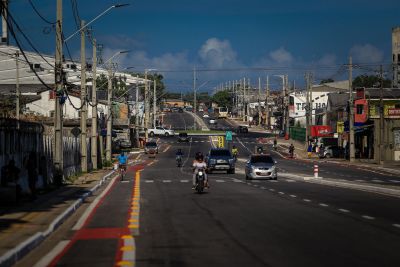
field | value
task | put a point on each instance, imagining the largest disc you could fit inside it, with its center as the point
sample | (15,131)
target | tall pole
(109,115)
(17,91)
(267,114)
(194,96)
(83,102)
(351,109)
(58,142)
(94,107)
(137,113)
(287,120)
(147,106)
(308,109)
(248,99)
(381,120)
(154,103)
(259,103)
(244,99)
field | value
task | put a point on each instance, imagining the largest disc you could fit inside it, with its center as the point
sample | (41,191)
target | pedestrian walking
(309,150)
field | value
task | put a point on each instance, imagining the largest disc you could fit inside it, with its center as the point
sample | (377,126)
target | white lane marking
(293,196)
(91,207)
(272,181)
(249,183)
(272,190)
(46,260)
(255,185)
(166,181)
(149,181)
(306,200)
(282,193)
(237,181)
(124,181)
(290,181)
(396,225)
(361,181)
(394,181)
(184,181)
(263,188)
(165,150)
(368,217)
(323,205)
(220,181)
(344,210)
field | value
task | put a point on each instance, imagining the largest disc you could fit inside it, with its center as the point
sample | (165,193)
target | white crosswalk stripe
(149,181)
(394,181)
(220,181)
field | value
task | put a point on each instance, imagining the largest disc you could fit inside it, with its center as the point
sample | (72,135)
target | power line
(38,13)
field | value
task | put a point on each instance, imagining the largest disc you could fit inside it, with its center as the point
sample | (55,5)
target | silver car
(261,166)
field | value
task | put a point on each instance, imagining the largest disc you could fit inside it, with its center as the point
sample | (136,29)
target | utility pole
(259,103)
(244,99)
(154,103)
(147,106)
(308,107)
(194,96)
(381,121)
(94,107)
(58,142)
(84,166)
(267,113)
(137,113)
(17,91)
(351,109)
(109,115)
(287,120)
(248,99)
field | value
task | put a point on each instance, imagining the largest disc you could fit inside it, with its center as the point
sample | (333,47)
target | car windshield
(261,159)
(151,144)
(220,153)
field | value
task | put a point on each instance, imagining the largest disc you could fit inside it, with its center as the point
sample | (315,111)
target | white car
(213,121)
(206,116)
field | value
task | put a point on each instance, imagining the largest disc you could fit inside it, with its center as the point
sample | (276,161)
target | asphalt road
(234,223)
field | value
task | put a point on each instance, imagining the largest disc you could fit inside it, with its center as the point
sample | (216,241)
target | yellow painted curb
(125,263)
(127,248)
(133,220)
(127,237)
(134,226)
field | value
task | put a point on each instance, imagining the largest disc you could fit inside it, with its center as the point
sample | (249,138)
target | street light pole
(94,108)
(137,113)
(109,114)
(18,93)
(154,102)
(351,109)
(194,96)
(84,166)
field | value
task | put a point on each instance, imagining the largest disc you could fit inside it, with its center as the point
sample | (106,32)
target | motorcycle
(260,150)
(152,153)
(179,161)
(200,181)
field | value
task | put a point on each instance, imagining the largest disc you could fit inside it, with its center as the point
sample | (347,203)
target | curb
(12,256)
(361,187)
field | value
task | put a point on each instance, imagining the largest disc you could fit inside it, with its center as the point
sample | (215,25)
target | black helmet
(199,156)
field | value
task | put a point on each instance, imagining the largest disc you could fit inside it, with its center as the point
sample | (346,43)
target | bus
(222,112)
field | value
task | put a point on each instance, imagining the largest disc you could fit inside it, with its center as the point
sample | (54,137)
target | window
(360,109)
(51,113)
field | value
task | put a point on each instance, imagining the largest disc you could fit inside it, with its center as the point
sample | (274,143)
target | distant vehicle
(151,147)
(261,166)
(220,159)
(205,115)
(183,137)
(175,109)
(222,112)
(212,121)
(189,109)
(242,129)
(180,110)
(160,131)
(166,109)
(200,109)
(125,143)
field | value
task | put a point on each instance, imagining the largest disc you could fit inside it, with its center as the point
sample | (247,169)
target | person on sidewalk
(275,145)
(291,150)
(309,151)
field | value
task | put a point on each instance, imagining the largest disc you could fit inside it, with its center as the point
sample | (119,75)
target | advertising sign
(340,127)
(321,131)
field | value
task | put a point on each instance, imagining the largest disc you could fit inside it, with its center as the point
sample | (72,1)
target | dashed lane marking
(344,210)
(149,181)
(263,188)
(394,181)
(293,196)
(282,193)
(306,200)
(271,189)
(184,181)
(166,181)
(323,205)
(368,217)
(396,225)
(220,181)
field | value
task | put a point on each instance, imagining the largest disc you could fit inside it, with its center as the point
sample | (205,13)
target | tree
(223,99)
(326,81)
(370,81)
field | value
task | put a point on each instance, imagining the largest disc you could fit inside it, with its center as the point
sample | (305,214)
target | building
(396,56)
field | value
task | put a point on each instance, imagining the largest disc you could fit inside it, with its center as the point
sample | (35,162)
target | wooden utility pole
(154,101)
(17,91)
(58,123)
(137,113)
(94,108)
(351,111)
(109,115)
(84,166)
(381,121)
(267,108)
(146,106)
(259,103)
(308,108)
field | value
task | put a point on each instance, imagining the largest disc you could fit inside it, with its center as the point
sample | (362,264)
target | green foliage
(370,81)
(223,99)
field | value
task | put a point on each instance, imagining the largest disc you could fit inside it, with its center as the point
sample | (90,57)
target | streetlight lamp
(109,97)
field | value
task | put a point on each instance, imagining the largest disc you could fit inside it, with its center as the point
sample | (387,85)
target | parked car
(333,152)
(261,166)
(242,129)
(125,143)
(149,146)
(160,131)
(220,159)
(183,137)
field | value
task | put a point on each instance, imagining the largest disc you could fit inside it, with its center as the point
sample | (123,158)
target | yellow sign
(221,142)
(340,127)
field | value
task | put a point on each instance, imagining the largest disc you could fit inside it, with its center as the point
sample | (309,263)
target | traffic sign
(221,142)
(228,135)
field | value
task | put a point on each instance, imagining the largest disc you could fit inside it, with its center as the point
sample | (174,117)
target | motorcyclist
(178,155)
(291,150)
(235,151)
(199,163)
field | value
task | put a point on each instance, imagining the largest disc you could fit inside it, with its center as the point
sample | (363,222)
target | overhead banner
(340,127)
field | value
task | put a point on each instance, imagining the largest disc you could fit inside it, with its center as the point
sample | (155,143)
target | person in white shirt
(199,163)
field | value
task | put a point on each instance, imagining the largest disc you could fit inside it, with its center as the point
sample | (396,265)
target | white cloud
(327,60)
(216,53)
(366,53)
(281,55)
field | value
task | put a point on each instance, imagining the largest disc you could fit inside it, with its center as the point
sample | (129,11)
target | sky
(225,40)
